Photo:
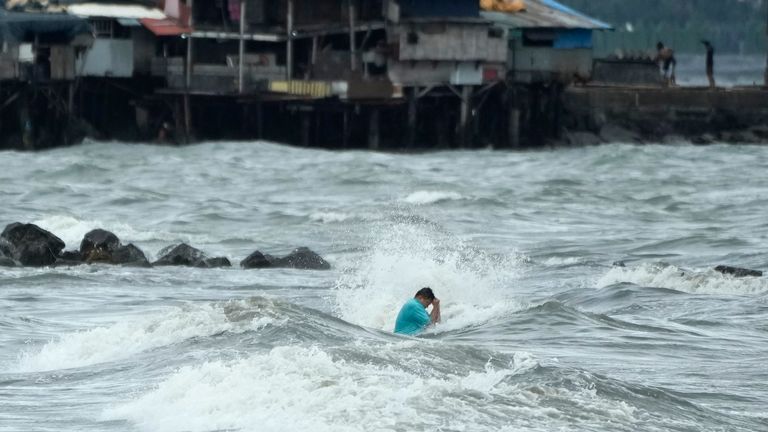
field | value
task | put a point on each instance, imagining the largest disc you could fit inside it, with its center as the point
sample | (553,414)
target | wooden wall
(443,41)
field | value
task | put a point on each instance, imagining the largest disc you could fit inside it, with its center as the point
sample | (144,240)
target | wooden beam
(189,45)
(241,62)
(352,47)
(289,43)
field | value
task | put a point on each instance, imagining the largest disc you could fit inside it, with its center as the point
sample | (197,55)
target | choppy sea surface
(540,332)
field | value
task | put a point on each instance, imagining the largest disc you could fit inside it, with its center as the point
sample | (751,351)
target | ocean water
(540,332)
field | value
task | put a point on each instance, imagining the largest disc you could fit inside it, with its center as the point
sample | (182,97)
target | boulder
(737,272)
(71,256)
(129,255)
(31,245)
(69,259)
(217,262)
(302,258)
(256,260)
(6,261)
(181,255)
(98,246)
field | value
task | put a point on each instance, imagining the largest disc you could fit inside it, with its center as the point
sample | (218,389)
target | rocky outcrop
(129,255)
(5,260)
(98,246)
(31,245)
(737,272)
(301,258)
(256,260)
(186,255)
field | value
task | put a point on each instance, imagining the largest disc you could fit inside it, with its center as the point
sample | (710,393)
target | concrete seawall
(701,115)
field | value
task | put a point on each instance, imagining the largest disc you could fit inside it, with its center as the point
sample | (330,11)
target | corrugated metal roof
(546,14)
(115,11)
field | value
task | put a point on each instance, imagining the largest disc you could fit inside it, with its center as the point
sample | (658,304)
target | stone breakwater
(28,245)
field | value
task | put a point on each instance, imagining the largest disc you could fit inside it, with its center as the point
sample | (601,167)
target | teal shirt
(412,319)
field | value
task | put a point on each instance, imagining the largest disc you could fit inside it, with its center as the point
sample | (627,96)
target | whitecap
(672,277)
(131,336)
(431,197)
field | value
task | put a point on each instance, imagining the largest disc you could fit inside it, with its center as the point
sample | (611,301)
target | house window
(495,33)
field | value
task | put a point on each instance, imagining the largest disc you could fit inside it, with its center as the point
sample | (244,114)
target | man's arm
(434,316)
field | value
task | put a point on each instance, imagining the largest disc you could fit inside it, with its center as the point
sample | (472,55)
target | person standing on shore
(710,63)
(666,57)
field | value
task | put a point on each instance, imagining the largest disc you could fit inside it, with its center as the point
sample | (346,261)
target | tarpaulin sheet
(48,27)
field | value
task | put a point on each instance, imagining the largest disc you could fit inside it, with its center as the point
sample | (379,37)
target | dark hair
(659,45)
(426,293)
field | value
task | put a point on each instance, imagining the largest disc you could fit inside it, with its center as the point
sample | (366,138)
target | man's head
(425,296)
(659,46)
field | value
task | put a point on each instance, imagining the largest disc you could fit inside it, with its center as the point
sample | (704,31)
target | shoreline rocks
(301,258)
(185,255)
(31,246)
(737,271)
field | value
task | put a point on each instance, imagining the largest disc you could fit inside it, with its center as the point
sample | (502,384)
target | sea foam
(659,275)
(473,286)
(431,197)
(134,335)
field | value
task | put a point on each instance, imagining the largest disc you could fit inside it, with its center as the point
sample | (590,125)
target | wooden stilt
(466,95)
(373,129)
(306,126)
(187,118)
(345,131)
(412,116)
(260,120)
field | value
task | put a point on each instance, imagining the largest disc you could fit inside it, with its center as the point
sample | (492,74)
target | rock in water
(98,246)
(31,245)
(256,260)
(129,255)
(181,255)
(738,272)
(217,262)
(303,258)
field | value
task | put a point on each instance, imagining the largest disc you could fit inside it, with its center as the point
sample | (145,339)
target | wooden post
(260,119)
(413,96)
(313,55)
(190,63)
(466,99)
(766,59)
(306,126)
(373,129)
(514,120)
(241,62)
(352,47)
(345,131)
(289,43)
(187,118)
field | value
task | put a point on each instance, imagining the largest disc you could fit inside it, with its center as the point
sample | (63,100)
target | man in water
(413,317)
(710,63)
(666,56)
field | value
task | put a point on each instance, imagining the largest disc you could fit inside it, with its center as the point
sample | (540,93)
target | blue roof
(563,8)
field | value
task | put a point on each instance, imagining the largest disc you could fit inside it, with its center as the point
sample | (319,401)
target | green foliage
(732,25)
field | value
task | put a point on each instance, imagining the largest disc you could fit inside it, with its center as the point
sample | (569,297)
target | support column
(514,120)
(289,43)
(352,43)
(373,129)
(345,129)
(190,48)
(187,118)
(766,59)
(412,113)
(466,99)
(260,119)
(241,62)
(306,126)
